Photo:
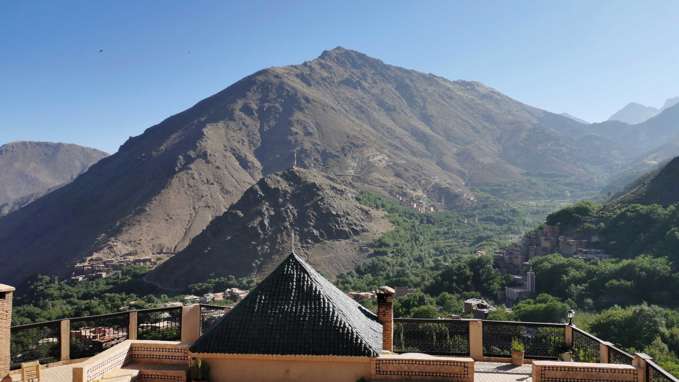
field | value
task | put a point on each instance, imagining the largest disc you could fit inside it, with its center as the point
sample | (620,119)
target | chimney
(385,315)
(6,293)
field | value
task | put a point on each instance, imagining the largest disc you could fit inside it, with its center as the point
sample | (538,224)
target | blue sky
(587,58)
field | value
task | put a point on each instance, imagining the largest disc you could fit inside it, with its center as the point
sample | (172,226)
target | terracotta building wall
(289,369)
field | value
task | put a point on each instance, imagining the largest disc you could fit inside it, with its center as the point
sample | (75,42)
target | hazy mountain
(255,232)
(576,119)
(657,187)
(30,169)
(415,136)
(669,103)
(650,145)
(639,141)
(634,113)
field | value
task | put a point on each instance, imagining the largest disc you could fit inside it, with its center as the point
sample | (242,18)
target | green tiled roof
(295,311)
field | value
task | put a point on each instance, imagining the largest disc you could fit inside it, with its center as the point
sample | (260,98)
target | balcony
(65,345)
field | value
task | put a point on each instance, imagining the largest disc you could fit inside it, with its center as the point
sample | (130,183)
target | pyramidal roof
(295,311)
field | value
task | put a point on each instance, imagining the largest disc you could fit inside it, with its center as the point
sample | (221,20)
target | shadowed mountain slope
(657,187)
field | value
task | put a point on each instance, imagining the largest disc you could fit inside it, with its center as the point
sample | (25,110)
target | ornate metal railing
(655,373)
(619,356)
(35,342)
(586,347)
(541,340)
(93,334)
(431,336)
(160,324)
(209,315)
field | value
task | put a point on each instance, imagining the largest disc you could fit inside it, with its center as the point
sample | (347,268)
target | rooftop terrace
(297,326)
(61,346)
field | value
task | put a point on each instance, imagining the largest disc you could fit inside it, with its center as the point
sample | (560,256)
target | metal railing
(655,373)
(586,347)
(541,340)
(87,336)
(209,316)
(33,342)
(163,324)
(431,336)
(616,355)
(94,334)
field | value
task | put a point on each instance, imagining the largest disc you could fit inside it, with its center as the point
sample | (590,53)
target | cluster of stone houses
(98,268)
(514,259)
(233,295)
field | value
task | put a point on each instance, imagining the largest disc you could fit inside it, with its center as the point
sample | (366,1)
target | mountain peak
(634,113)
(348,57)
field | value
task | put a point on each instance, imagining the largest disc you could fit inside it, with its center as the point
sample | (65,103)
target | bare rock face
(28,170)
(410,135)
(254,235)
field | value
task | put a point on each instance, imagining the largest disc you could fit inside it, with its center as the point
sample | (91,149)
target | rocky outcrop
(255,234)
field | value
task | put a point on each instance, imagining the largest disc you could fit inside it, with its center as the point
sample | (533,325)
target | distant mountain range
(634,113)
(420,138)
(30,169)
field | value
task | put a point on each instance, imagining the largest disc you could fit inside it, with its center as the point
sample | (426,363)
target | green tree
(544,308)
(634,327)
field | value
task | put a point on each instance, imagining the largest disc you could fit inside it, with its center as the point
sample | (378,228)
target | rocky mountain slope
(30,169)
(254,235)
(418,137)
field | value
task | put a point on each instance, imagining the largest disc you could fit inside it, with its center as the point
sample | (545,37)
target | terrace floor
(501,372)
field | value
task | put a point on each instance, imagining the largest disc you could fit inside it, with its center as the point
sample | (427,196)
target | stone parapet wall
(6,294)
(554,371)
(421,367)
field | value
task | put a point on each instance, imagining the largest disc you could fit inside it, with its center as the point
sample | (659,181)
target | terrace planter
(517,357)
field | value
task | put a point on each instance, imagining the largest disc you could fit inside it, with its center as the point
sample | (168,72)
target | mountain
(657,187)
(634,113)
(417,137)
(669,103)
(639,141)
(255,232)
(576,119)
(30,169)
